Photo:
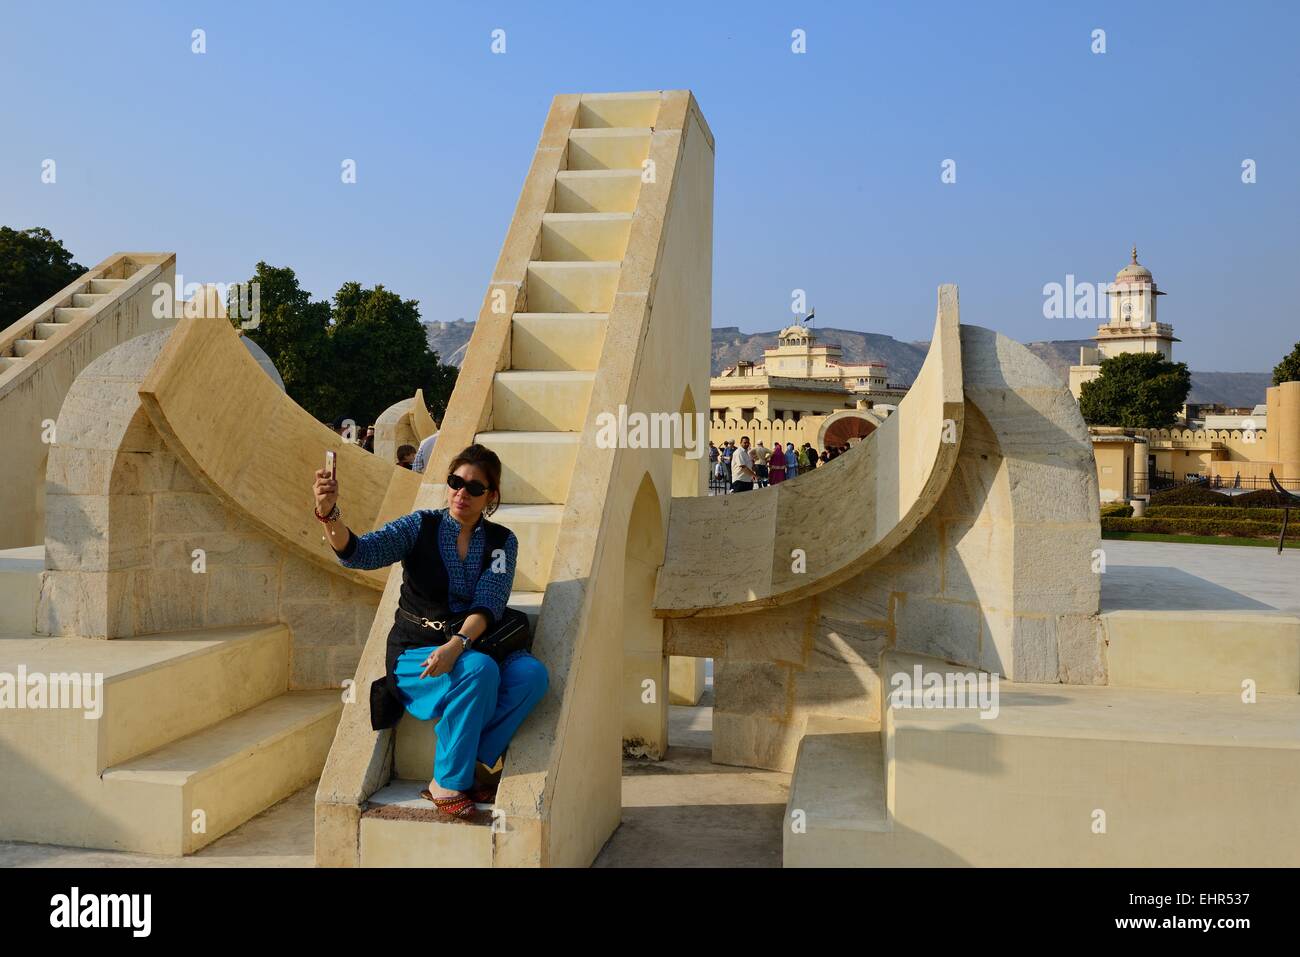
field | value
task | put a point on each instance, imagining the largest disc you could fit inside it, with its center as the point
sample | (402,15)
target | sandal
(459,807)
(484,793)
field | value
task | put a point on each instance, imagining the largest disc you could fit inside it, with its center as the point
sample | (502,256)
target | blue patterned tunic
(468,588)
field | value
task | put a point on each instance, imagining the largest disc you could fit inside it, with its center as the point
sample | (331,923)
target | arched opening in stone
(847,429)
(645,667)
(688,472)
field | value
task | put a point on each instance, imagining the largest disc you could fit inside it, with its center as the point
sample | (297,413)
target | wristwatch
(464,640)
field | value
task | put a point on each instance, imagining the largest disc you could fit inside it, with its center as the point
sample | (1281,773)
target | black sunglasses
(473,486)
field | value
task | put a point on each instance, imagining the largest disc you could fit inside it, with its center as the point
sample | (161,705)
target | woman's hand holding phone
(326,486)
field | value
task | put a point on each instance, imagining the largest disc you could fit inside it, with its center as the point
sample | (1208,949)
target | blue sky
(828,163)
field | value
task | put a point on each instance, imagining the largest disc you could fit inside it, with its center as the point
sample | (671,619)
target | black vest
(425,587)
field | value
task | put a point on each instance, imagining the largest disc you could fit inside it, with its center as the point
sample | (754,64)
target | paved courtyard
(1165,575)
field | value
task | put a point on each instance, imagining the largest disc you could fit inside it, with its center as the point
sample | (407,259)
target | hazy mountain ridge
(904,359)
(449,339)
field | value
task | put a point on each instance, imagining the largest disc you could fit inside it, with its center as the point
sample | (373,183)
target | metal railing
(1246,482)
(719,484)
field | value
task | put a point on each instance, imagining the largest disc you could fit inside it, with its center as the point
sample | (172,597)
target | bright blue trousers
(479,706)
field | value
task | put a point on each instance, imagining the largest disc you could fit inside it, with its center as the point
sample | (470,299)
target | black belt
(446,627)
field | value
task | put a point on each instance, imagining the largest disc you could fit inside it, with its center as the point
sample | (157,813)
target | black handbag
(386,709)
(509,634)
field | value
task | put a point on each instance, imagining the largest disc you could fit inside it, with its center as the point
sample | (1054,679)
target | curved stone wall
(775,545)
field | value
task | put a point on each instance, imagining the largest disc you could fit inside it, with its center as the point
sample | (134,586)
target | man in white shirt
(742,468)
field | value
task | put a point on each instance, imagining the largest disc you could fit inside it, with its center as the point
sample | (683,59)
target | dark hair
(486,461)
(404,450)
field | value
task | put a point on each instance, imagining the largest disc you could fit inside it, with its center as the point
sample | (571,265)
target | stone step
(225,774)
(572,286)
(585,237)
(106,285)
(536,467)
(536,527)
(67,314)
(530,603)
(837,791)
(90,301)
(228,670)
(156,688)
(541,401)
(10,362)
(48,330)
(604,110)
(25,347)
(609,148)
(596,191)
(557,341)
(1203,650)
(398,829)
(20,587)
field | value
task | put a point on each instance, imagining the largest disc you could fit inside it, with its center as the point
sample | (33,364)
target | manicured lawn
(1195,539)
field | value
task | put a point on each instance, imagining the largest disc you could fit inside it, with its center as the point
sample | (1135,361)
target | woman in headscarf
(776,465)
(791,461)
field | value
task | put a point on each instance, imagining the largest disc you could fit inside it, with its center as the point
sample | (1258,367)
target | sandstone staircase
(196,732)
(45,330)
(539,407)
(48,326)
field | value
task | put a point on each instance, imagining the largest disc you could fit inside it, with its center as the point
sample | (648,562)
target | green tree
(1288,370)
(294,332)
(33,266)
(381,353)
(351,359)
(1136,390)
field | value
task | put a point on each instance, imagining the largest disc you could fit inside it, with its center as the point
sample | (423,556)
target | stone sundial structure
(177,558)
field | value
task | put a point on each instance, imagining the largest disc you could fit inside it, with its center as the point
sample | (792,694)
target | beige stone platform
(1201,617)
(1063,776)
(1204,650)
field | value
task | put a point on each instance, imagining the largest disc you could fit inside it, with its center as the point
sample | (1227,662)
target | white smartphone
(331,464)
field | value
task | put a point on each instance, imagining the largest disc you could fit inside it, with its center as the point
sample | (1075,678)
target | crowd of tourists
(742,468)
(732,467)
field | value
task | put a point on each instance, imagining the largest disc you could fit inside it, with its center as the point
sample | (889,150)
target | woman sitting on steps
(454,561)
